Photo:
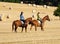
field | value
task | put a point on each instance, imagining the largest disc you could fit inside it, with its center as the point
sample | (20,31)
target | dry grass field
(50,35)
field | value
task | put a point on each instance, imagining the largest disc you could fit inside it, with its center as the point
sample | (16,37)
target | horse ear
(46,15)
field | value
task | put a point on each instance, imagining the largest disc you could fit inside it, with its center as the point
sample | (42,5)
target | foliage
(40,2)
(11,1)
(57,12)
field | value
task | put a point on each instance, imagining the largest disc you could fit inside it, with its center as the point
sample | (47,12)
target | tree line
(39,2)
(14,1)
(57,12)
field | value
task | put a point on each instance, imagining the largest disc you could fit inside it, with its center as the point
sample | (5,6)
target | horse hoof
(42,30)
(15,31)
(21,31)
(30,29)
(26,31)
(35,30)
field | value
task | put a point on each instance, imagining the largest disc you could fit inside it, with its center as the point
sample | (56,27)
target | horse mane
(44,17)
(29,18)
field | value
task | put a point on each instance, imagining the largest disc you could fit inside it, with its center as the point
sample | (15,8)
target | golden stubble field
(50,35)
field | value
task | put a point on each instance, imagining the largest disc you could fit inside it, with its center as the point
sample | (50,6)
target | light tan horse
(36,23)
(18,23)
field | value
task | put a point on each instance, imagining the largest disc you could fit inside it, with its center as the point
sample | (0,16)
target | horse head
(47,18)
(28,20)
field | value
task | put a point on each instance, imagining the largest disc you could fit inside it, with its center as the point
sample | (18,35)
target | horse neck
(44,19)
(27,21)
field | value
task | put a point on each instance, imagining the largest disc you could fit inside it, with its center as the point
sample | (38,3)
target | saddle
(22,22)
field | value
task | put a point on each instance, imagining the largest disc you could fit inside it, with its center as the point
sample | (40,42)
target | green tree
(17,1)
(57,12)
(12,1)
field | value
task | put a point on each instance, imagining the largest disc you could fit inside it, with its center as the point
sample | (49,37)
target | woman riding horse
(38,17)
(36,23)
(22,18)
(18,23)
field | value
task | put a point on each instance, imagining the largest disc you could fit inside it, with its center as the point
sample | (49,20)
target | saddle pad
(39,22)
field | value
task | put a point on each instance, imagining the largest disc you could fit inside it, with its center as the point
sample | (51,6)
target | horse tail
(13,25)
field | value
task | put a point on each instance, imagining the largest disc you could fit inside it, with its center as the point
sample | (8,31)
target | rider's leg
(23,22)
(41,22)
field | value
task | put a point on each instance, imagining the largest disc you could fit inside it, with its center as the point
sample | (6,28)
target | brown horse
(18,23)
(37,24)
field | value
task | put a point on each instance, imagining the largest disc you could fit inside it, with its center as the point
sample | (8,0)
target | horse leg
(31,27)
(22,29)
(15,29)
(12,29)
(35,28)
(42,28)
(26,29)
(13,26)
